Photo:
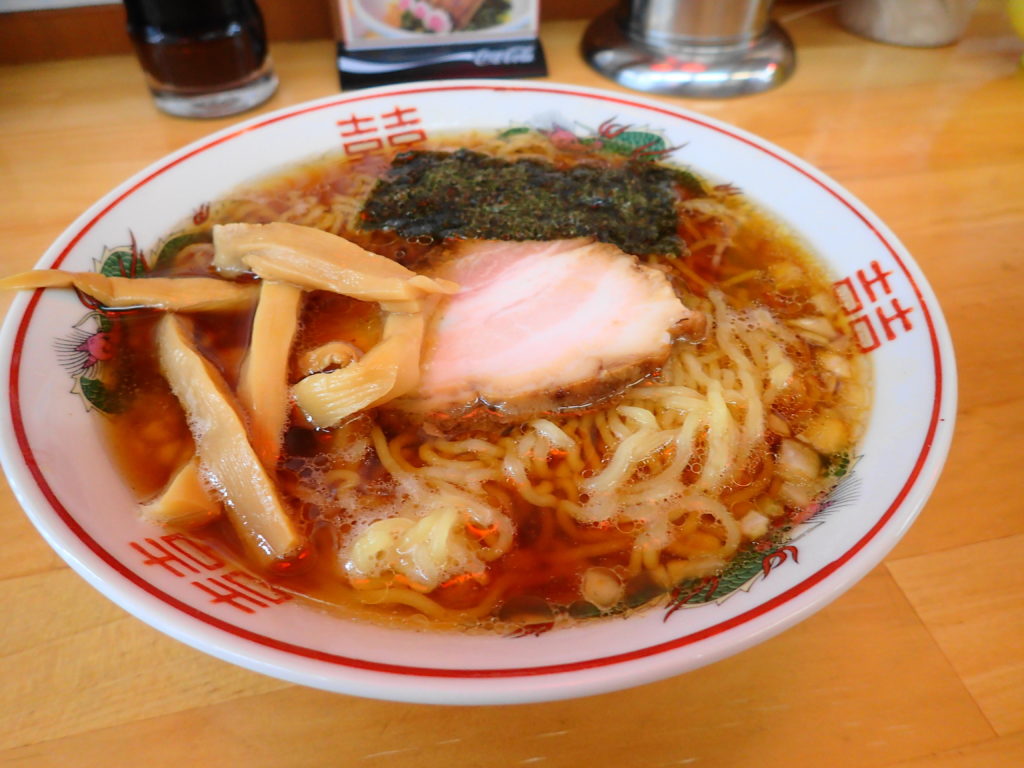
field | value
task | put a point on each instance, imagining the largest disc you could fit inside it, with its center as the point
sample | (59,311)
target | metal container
(699,48)
(202,58)
(920,23)
(697,22)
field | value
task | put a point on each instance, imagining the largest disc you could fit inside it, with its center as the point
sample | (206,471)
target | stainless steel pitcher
(698,48)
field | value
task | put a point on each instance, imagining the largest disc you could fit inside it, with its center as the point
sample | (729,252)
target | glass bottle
(202,58)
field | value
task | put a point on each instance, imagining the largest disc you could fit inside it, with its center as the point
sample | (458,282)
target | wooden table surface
(920,664)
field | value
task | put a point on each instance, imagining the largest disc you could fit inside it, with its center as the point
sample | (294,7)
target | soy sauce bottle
(202,58)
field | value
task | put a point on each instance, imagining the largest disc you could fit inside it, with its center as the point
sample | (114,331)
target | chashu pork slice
(541,327)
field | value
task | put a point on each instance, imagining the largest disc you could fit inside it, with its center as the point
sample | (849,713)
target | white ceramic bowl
(58,469)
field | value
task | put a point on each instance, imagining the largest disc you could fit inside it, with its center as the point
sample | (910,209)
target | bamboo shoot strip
(181,294)
(317,260)
(184,503)
(388,370)
(250,497)
(263,387)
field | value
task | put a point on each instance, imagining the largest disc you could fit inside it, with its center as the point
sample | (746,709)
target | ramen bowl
(58,465)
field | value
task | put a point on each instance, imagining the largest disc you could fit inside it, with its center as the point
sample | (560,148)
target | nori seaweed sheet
(465,194)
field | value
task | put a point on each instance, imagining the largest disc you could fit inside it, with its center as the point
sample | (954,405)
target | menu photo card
(393,41)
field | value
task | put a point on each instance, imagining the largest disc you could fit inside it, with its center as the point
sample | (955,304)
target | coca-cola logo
(515,54)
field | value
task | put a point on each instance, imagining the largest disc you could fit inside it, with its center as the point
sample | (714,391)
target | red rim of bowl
(512,672)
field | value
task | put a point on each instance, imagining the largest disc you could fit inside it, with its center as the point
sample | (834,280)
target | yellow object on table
(1016,11)
(920,665)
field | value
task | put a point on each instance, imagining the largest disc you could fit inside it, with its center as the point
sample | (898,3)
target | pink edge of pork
(543,326)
